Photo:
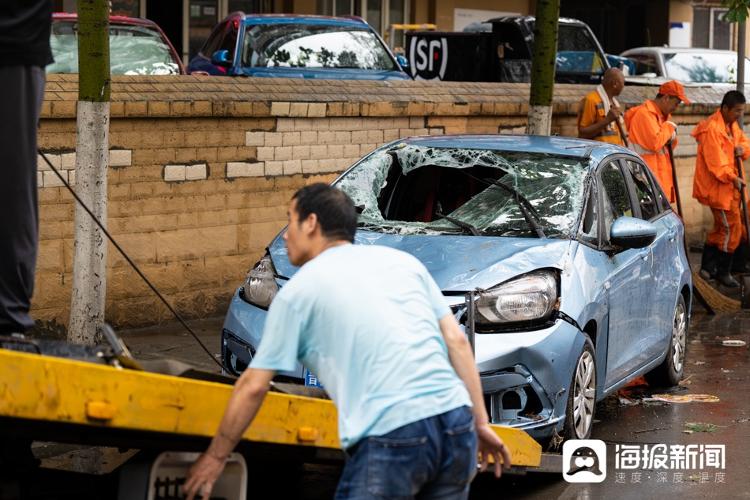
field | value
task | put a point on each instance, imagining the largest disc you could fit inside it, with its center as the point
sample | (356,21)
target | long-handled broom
(709,297)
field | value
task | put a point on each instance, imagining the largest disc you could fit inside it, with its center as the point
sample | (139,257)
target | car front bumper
(525,375)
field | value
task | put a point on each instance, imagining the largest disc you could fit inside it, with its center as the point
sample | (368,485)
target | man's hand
(738,182)
(738,151)
(491,444)
(614,113)
(202,476)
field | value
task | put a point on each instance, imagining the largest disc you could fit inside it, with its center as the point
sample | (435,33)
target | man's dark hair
(732,99)
(334,209)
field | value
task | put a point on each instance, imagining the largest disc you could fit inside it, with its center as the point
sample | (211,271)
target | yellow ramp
(44,388)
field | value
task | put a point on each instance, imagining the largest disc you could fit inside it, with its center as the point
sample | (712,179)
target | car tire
(579,412)
(669,373)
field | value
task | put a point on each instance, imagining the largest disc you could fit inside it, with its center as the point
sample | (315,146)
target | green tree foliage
(738,10)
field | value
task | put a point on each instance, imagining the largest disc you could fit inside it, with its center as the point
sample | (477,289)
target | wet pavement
(628,418)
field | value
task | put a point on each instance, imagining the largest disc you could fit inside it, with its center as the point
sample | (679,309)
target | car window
(133,50)
(298,45)
(644,191)
(215,40)
(703,67)
(615,196)
(644,63)
(590,221)
(411,189)
(229,41)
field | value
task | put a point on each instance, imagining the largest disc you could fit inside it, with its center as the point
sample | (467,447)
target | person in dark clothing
(24,52)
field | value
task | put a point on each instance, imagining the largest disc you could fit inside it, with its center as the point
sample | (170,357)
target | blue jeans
(429,459)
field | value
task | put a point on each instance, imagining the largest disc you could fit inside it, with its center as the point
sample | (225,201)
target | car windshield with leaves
(410,189)
(297,45)
(133,50)
(709,67)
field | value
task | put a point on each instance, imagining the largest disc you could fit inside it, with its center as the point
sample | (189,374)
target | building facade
(619,24)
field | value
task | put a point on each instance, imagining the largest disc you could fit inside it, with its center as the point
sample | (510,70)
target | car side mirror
(629,232)
(402,61)
(221,58)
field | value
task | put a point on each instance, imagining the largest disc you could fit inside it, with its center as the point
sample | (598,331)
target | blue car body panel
(625,300)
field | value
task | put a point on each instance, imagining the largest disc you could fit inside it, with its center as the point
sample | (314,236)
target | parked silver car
(655,65)
(561,259)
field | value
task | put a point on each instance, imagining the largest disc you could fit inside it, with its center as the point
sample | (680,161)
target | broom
(709,297)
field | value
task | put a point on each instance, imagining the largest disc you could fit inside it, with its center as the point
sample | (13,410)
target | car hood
(325,74)
(459,263)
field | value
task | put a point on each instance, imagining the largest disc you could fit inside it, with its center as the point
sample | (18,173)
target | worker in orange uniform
(650,130)
(717,184)
(600,115)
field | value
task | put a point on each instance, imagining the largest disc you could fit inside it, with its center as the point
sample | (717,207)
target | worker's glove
(738,151)
(738,182)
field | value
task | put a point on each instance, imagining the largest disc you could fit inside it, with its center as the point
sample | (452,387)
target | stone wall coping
(202,96)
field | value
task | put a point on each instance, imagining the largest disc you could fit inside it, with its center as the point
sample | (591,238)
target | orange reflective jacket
(593,110)
(715,169)
(649,133)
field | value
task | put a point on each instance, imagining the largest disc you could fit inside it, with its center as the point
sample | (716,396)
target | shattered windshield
(133,50)
(411,189)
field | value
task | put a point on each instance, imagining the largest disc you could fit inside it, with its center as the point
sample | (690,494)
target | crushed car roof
(562,146)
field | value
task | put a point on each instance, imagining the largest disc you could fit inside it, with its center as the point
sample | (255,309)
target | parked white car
(690,66)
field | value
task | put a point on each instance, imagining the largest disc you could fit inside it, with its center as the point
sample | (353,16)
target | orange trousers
(728,228)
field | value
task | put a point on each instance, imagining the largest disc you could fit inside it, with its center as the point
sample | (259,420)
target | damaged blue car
(561,258)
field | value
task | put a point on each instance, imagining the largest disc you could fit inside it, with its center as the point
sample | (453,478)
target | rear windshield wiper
(463,225)
(527,209)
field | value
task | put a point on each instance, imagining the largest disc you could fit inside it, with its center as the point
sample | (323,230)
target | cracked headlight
(260,284)
(530,297)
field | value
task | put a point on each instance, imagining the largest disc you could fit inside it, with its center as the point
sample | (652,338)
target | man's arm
(595,129)
(646,131)
(462,359)
(247,396)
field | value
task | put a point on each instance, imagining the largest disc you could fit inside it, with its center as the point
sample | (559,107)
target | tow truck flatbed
(65,400)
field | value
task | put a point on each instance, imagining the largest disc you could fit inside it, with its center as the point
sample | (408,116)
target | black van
(503,53)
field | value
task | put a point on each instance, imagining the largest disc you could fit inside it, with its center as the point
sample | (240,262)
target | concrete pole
(92,160)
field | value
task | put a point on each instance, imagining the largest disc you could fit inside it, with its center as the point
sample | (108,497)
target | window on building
(130,8)
(710,29)
(250,6)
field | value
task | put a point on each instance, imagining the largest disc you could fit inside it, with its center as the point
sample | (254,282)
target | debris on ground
(691,427)
(626,401)
(651,430)
(684,398)
(725,371)
(733,343)
(699,363)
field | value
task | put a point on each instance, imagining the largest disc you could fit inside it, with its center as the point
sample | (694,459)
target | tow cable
(128,259)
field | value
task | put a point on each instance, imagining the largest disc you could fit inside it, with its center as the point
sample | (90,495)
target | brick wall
(201,170)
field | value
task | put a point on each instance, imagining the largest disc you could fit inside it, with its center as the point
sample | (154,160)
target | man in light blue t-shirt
(372,324)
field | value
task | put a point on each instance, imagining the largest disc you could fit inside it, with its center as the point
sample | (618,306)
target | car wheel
(669,373)
(579,413)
